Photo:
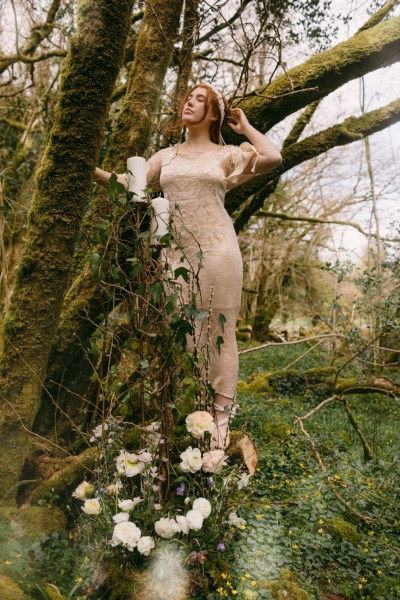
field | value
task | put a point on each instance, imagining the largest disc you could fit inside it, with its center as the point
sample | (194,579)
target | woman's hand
(237,121)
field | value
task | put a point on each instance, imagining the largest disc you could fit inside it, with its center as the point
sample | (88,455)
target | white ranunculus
(127,534)
(198,422)
(92,507)
(129,464)
(126,505)
(194,519)
(203,505)
(183,524)
(191,460)
(84,490)
(121,517)
(166,528)
(145,545)
(243,481)
(214,460)
(233,519)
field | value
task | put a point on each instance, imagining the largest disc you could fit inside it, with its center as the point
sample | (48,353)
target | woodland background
(93,82)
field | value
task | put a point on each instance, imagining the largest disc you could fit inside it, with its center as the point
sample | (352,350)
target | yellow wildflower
(260,516)
(363,580)
(224,575)
(234,592)
(79,579)
(379,571)
(7,562)
(254,582)
(294,546)
(321,521)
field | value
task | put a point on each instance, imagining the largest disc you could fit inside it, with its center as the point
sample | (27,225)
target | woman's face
(195,110)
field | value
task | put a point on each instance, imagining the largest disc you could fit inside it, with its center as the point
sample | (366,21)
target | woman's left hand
(237,121)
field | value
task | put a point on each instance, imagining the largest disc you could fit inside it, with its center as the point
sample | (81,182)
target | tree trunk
(63,186)
(86,301)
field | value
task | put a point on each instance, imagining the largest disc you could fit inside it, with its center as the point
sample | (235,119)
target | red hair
(210,101)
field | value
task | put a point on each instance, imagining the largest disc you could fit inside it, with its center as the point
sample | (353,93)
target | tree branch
(367,51)
(352,129)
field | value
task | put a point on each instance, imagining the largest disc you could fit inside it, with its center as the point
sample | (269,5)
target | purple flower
(180,490)
(221,547)
(211,483)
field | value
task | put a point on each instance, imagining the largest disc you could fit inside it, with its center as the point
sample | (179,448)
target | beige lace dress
(195,185)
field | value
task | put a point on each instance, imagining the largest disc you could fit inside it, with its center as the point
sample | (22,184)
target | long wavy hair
(211,101)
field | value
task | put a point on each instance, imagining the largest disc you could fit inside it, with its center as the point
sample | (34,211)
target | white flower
(186,500)
(233,519)
(98,431)
(243,481)
(126,505)
(213,461)
(198,422)
(194,519)
(137,500)
(157,506)
(145,545)
(166,528)
(127,534)
(183,524)
(92,507)
(191,460)
(202,505)
(121,517)
(129,464)
(155,488)
(84,490)
(145,456)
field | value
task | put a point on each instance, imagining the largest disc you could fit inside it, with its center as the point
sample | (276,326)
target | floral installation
(159,482)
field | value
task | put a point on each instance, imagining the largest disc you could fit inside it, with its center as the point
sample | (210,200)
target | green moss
(275,430)
(52,593)
(343,530)
(11,590)
(36,521)
(286,587)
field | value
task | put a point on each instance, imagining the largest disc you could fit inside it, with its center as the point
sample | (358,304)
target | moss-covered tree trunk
(86,301)
(63,185)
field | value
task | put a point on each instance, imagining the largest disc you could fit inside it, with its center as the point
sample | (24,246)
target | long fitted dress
(195,185)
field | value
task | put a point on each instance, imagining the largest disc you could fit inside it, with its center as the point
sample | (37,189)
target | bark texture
(63,185)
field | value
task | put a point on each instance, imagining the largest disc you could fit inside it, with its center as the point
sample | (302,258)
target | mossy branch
(350,130)
(368,50)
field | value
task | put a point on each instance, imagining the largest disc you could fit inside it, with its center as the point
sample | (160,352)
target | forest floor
(299,535)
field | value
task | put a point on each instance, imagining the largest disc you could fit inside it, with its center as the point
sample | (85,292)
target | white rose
(129,464)
(198,422)
(243,481)
(213,461)
(202,505)
(194,519)
(191,460)
(145,545)
(183,524)
(84,490)
(233,519)
(121,517)
(126,505)
(127,534)
(92,507)
(166,528)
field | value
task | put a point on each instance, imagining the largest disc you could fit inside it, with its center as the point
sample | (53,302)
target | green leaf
(221,321)
(182,272)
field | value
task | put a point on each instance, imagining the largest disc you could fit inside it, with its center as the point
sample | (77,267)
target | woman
(194,176)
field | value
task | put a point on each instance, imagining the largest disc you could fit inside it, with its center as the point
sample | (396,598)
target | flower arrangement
(158,482)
